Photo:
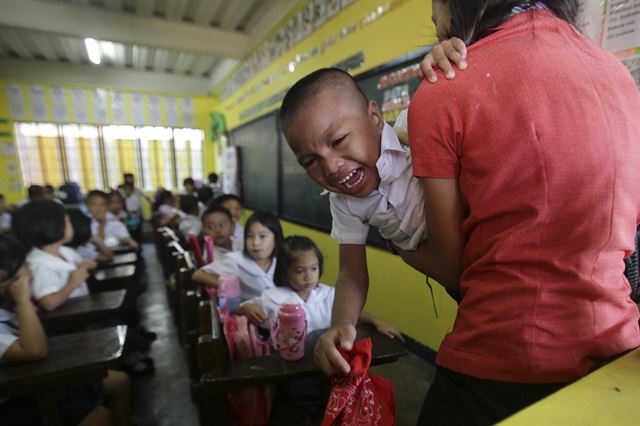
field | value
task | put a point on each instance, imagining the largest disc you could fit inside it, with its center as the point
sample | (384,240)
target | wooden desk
(119,260)
(273,369)
(116,278)
(120,249)
(77,312)
(608,396)
(115,273)
(73,359)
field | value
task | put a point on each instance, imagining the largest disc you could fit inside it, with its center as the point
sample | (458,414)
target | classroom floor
(163,399)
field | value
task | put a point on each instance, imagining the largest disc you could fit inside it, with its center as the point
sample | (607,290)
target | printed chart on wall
(615,26)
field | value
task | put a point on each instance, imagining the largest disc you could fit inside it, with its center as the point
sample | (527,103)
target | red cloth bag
(360,398)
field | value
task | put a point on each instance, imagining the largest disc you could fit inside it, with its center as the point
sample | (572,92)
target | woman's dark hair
(472,20)
(81,227)
(216,209)
(286,253)
(162,197)
(268,220)
(39,223)
(12,255)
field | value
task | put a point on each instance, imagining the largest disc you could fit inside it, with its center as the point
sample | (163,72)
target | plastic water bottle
(208,243)
(228,294)
(290,331)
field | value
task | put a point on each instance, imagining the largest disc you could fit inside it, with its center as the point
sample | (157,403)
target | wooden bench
(78,312)
(119,260)
(73,359)
(115,278)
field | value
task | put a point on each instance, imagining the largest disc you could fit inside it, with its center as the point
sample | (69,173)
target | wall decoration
(622,25)
(38,105)
(80,105)
(15,96)
(59,101)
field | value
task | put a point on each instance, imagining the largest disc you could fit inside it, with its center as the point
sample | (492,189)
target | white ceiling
(167,45)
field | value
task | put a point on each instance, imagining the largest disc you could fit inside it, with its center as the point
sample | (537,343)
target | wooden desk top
(120,249)
(608,396)
(118,272)
(273,369)
(73,358)
(118,260)
(85,309)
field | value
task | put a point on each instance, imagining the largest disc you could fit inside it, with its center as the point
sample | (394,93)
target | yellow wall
(397,293)
(201,104)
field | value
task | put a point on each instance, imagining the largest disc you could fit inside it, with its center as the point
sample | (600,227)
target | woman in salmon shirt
(529,163)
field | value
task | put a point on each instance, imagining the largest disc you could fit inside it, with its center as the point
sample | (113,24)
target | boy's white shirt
(218,253)
(114,232)
(7,332)
(50,273)
(396,207)
(190,225)
(253,280)
(317,307)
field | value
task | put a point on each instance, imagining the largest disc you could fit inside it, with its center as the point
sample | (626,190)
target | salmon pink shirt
(543,133)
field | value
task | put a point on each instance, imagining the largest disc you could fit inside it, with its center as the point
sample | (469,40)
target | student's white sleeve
(45,281)
(120,230)
(7,338)
(224,266)
(346,228)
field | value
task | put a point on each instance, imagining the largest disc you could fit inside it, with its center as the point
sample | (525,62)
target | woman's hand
(326,352)
(254,312)
(442,55)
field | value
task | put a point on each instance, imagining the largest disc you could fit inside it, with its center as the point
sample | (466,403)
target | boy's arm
(442,55)
(382,327)
(351,293)
(32,342)
(206,278)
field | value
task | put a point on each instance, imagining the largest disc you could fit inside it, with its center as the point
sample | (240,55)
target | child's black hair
(286,253)
(205,194)
(216,209)
(213,177)
(39,223)
(97,193)
(188,181)
(12,255)
(226,197)
(189,204)
(119,195)
(162,197)
(81,228)
(268,220)
(35,192)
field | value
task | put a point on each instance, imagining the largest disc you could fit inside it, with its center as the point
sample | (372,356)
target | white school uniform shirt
(121,216)
(253,280)
(218,253)
(190,225)
(5,221)
(317,308)
(49,274)
(114,232)
(134,203)
(237,239)
(396,207)
(87,251)
(8,335)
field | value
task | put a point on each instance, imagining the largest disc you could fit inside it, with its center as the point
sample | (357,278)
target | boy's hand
(388,330)
(442,55)
(254,312)
(87,264)
(326,352)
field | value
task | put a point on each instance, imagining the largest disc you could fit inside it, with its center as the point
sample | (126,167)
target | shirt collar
(41,257)
(390,150)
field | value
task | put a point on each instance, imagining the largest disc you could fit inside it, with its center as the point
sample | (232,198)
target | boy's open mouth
(351,183)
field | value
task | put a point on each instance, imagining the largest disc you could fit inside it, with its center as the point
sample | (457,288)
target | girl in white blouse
(255,265)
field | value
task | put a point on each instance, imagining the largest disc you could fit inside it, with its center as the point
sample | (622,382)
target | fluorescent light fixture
(92,50)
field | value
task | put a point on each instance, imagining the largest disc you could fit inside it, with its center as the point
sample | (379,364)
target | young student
(165,206)
(110,232)
(232,203)
(255,265)
(116,207)
(189,186)
(214,184)
(190,223)
(5,216)
(217,223)
(81,404)
(59,272)
(87,246)
(205,198)
(297,278)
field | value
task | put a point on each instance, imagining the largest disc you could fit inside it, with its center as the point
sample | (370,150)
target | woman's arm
(32,342)
(351,293)
(53,300)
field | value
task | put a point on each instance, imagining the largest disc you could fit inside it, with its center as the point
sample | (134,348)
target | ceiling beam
(58,72)
(270,14)
(105,25)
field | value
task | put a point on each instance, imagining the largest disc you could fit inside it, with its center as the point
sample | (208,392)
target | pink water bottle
(228,294)
(290,331)
(208,243)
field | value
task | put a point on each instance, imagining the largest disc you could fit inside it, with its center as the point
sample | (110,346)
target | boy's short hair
(205,194)
(39,223)
(188,204)
(188,181)
(216,209)
(97,193)
(35,191)
(12,255)
(213,177)
(268,220)
(81,227)
(226,197)
(310,86)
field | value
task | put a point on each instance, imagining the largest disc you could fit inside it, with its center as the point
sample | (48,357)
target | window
(97,156)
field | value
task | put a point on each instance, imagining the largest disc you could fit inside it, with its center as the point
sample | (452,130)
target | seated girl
(87,246)
(255,265)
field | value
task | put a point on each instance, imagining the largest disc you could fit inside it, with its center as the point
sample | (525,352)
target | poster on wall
(230,170)
(137,108)
(622,25)
(38,104)
(80,106)
(15,97)
(633,65)
(171,104)
(119,107)
(155,111)
(100,106)
(59,101)
(188,119)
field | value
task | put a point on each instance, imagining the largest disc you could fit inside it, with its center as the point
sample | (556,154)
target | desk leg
(48,407)
(213,408)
